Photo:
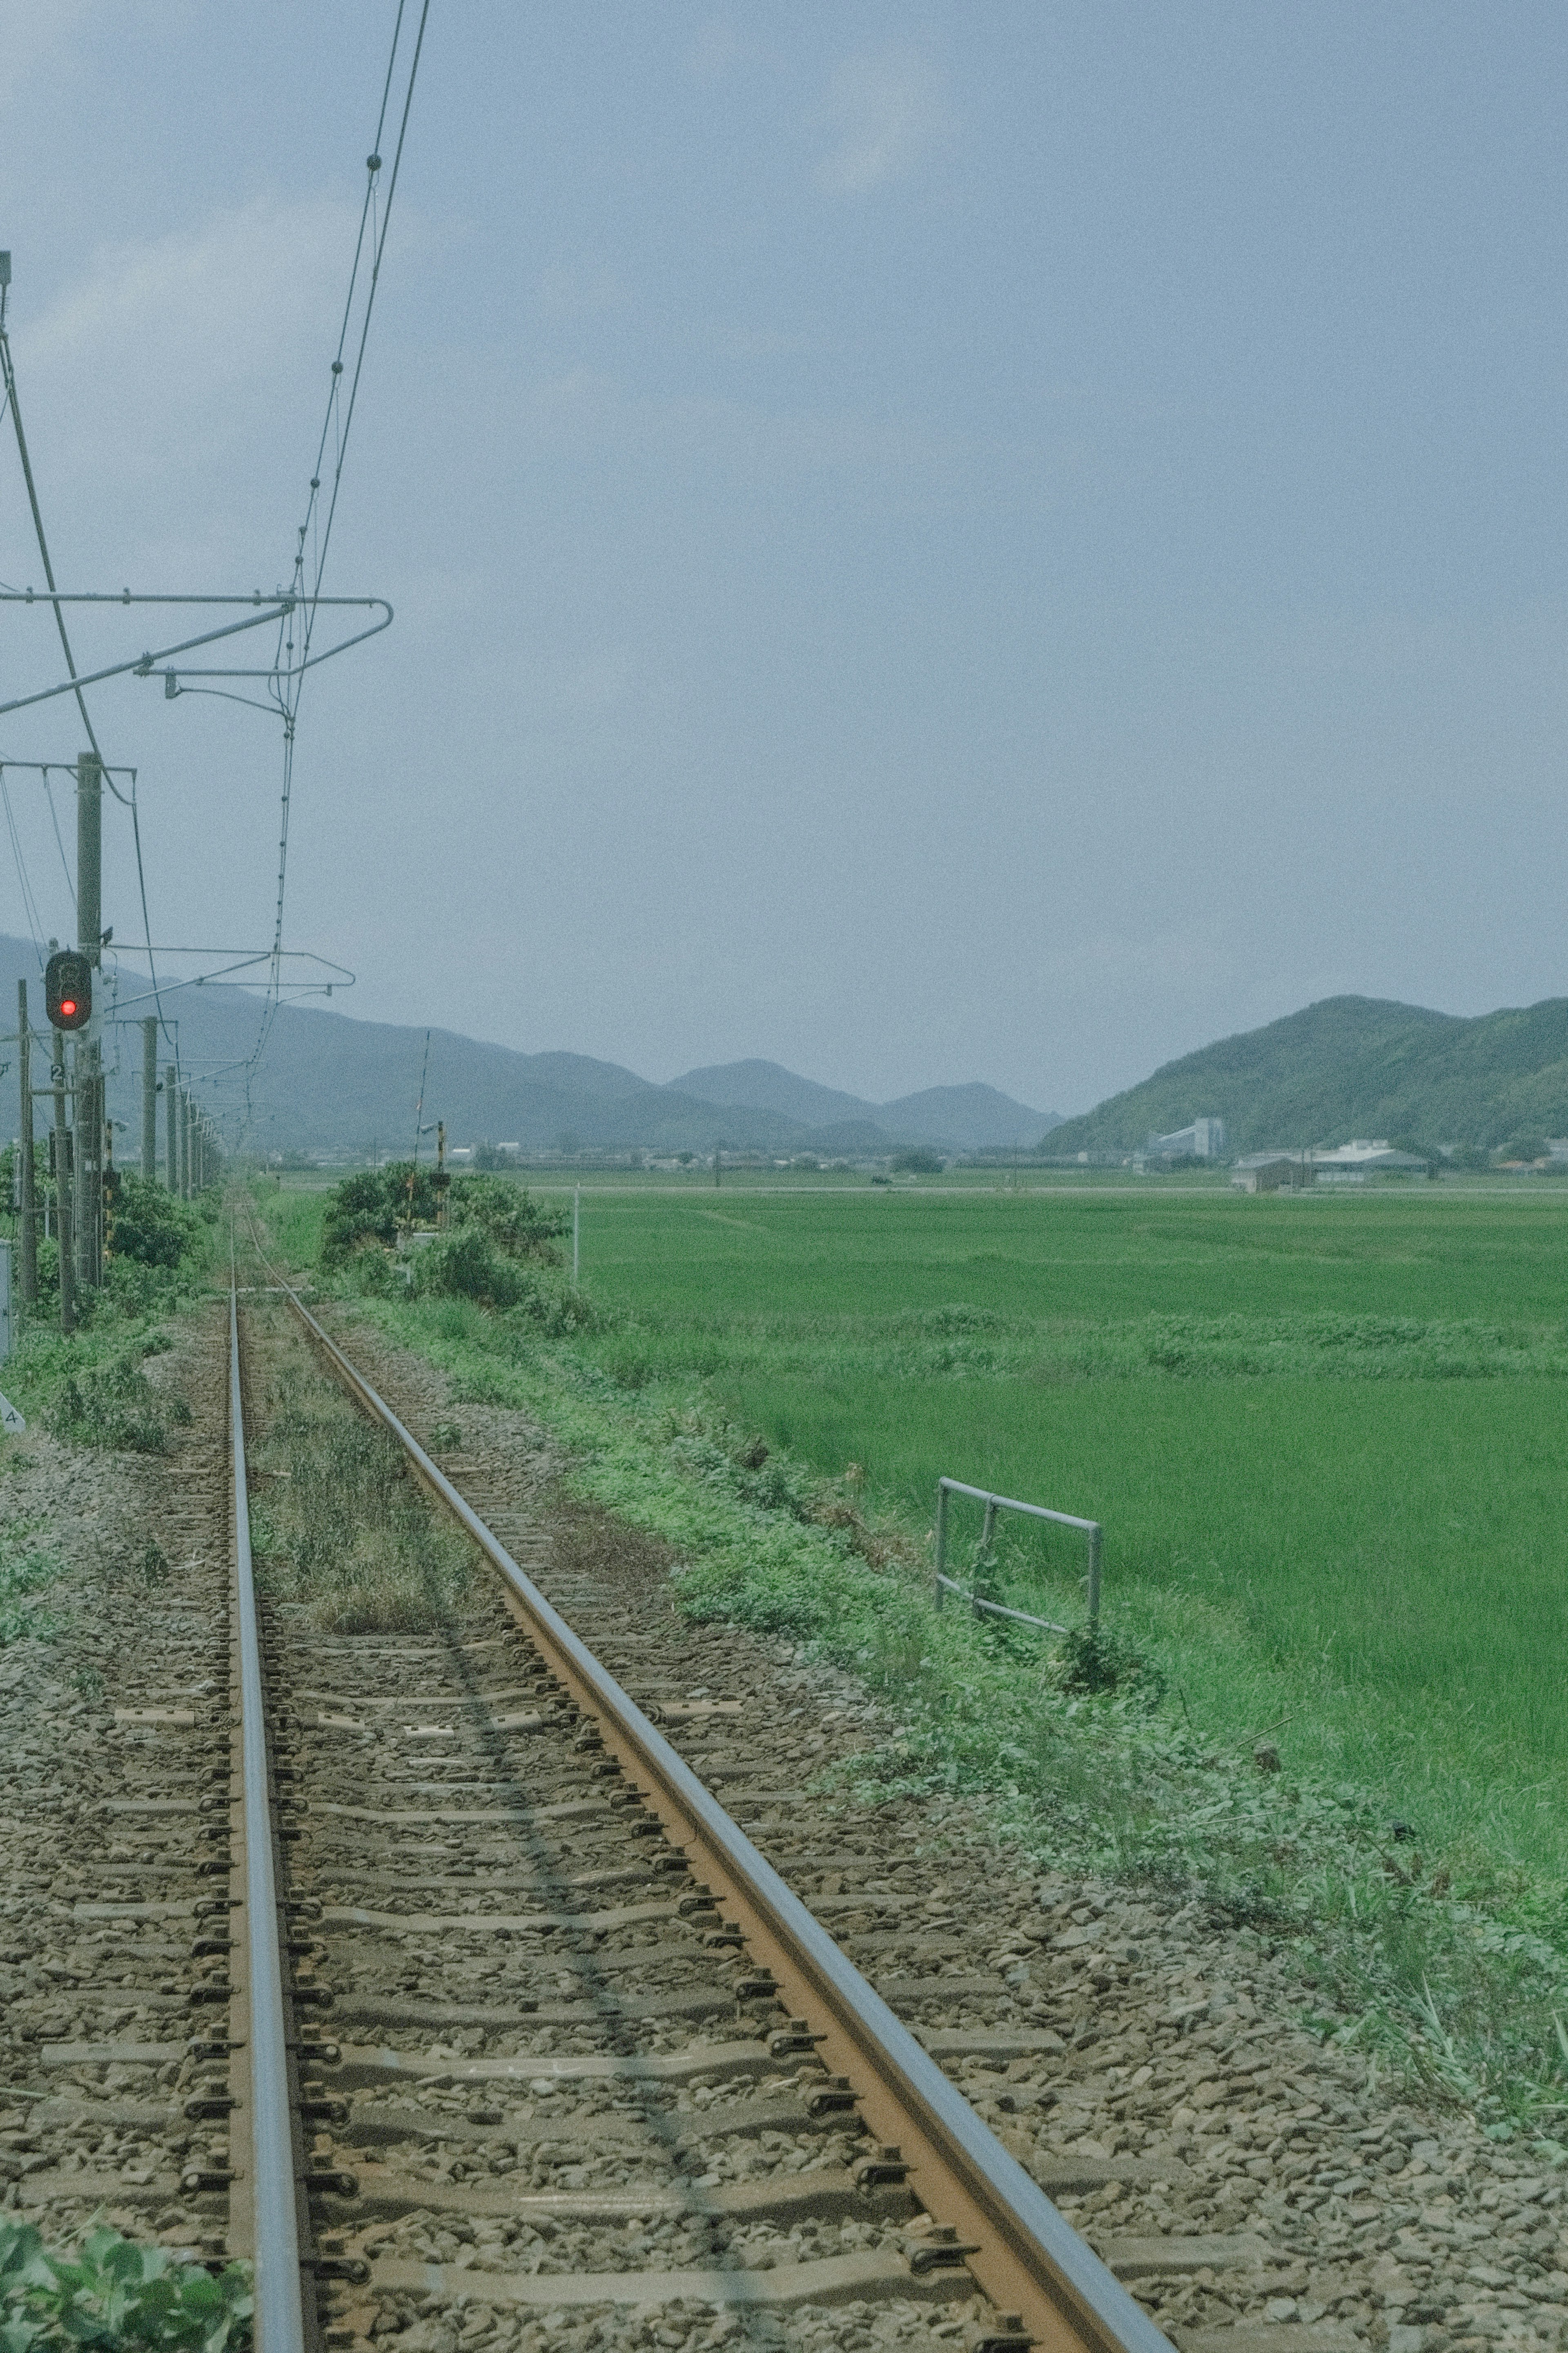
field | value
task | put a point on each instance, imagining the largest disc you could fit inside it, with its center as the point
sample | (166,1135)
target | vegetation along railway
(419,1966)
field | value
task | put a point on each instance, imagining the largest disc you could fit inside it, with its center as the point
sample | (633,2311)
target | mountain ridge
(333,1083)
(991,1119)
(1353,1066)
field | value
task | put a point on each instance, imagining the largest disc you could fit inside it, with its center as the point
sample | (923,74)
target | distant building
(1348,1162)
(1205,1140)
(1271,1172)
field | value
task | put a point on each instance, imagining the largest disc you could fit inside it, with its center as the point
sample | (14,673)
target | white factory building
(1344,1164)
(1361,1157)
(1205,1139)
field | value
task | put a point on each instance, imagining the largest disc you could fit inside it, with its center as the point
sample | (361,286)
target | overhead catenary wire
(59,841)
(41,768)
(375,214)
(30,903)
(286,676)
(13,405)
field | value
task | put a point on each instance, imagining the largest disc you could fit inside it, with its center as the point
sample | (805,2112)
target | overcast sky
(929,543)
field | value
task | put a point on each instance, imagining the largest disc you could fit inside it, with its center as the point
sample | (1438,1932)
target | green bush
(918,1163)
(467,1264)
(368,1209)
(363,1209)
(151,1226)
(509,1214)
(112,2294)
(114,1404)
(1091,1659)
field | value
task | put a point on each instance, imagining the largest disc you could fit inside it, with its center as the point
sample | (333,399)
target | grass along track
(1226,2164)
(1326,1438)
(576,1796)
(1445,1948)
(1181,2103)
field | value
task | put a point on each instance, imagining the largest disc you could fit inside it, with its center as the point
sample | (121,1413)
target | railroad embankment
(497,1942)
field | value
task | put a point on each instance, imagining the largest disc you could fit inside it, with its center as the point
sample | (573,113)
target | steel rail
(1023,2253)
(279,2297)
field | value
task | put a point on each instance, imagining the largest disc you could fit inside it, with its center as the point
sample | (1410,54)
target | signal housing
(68,990)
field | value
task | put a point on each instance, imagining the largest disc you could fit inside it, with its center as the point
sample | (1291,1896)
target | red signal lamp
(68,990)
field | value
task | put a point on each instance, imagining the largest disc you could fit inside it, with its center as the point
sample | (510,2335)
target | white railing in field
(994,1503)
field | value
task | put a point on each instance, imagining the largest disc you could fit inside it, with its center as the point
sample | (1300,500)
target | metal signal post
(62,1186)
(89,1056)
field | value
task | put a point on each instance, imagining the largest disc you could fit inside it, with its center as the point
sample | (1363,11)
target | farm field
(1327,1438)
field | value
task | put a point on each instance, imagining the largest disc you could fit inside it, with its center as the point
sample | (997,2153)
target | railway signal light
(68,990)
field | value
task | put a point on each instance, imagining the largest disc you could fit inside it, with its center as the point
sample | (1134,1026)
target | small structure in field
(1271,1172)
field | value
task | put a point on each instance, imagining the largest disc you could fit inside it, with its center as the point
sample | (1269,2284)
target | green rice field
(1327,1438)
(1324,1436)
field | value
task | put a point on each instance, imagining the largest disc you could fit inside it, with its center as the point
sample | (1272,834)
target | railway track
(491,2019)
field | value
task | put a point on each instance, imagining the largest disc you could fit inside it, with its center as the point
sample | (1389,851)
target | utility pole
(150,1098)
(29,1187)
(171,1099)
(183,1186)
(62,1186)
(89,1059)
(109,1183)
(576,1228)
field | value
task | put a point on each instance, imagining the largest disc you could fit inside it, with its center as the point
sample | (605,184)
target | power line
(375,214)
(59,845)
(15,408)
(29,904)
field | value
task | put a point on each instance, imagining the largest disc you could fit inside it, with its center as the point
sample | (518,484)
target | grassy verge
(1430,1953)
(336,1522)
(89,1387)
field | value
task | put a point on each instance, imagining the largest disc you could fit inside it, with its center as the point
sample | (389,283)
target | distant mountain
(986,1120)
(972,1118)
(1353,1066)
(328,1082)
(768,1086)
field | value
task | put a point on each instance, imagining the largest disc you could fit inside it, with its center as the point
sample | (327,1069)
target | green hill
(1353,1066)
